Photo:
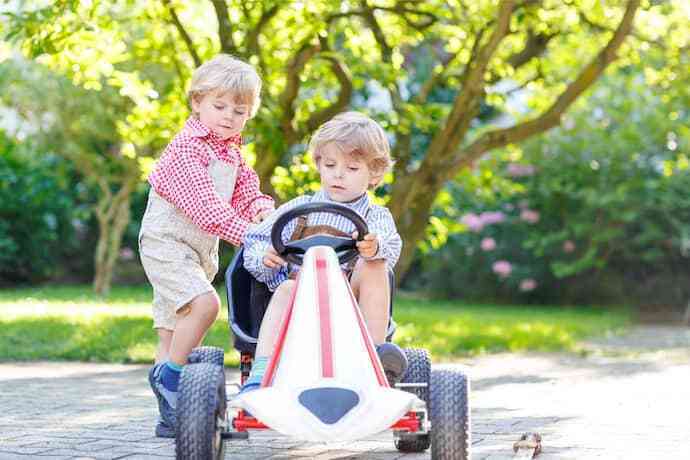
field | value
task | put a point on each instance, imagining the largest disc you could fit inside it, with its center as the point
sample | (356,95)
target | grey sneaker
(163,430)
(167,402)
(393,360)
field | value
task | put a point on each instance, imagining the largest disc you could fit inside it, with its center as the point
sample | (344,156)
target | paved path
(632,400)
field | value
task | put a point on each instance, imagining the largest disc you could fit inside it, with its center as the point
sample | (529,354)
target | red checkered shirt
(181,177)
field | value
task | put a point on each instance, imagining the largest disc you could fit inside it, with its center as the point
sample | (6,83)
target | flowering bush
(595,211)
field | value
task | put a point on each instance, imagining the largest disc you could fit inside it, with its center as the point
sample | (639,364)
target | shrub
(39,213)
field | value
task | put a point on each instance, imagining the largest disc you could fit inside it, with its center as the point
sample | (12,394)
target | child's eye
(239,112)
(219,107)
(329,165)
(354,168)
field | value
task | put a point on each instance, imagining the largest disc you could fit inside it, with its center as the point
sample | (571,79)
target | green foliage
(136,48)
(603,194)
(299,178)
(58,323)
(38,210)
(613,181)
(141,54)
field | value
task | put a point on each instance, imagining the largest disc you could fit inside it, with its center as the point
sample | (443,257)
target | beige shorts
(178,274)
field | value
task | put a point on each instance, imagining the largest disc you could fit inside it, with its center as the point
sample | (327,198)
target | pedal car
(324,381)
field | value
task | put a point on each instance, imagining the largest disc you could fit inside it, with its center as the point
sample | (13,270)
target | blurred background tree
(591,210)
(449,80)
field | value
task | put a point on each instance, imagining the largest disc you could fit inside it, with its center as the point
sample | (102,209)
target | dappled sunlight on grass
(451,330)
(71,323)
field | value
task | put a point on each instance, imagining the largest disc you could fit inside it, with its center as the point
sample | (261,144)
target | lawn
(71,323)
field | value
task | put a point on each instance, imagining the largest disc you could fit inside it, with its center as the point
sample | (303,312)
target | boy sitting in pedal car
(352,155)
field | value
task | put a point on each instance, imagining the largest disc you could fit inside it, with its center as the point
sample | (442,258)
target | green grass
(71,323)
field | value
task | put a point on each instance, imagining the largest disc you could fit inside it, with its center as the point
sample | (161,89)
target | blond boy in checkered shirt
(202,190)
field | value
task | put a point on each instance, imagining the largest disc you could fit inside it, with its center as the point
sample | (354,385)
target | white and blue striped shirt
(378,219)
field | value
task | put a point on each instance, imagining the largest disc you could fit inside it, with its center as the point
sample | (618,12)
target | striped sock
(258,371)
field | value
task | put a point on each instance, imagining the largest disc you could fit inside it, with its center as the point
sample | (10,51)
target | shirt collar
(196,128)
(360,205)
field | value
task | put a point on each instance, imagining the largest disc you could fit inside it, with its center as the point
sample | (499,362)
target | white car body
(325,381)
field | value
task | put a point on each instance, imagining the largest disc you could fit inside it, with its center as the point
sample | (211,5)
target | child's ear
(375,179)
(196,103)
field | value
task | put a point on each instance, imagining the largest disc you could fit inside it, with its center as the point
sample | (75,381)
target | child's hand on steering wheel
(272,259)
(369,246)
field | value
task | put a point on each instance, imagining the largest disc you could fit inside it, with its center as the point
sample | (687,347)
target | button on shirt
(181,177)
(378,219)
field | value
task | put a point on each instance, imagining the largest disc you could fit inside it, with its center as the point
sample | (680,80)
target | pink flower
(529,216)
(126,254)
(502,268)
(492,217)
(488,244)
(473,222)
(518,170)
(476,223)
(527,285)
(568,246)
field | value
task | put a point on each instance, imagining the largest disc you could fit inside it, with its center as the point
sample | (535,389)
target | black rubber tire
(418,371)
(201,413)
(450,415)
(213,355)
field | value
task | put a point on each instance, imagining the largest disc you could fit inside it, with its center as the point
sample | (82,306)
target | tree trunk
(412,199)
(266,163)
(113,216)
(413,194)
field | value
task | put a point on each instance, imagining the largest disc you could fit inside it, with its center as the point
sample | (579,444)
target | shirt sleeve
(380,221)
(258,240)
(188,186)
(247,198)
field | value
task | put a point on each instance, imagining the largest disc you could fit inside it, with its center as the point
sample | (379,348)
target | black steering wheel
(294,251)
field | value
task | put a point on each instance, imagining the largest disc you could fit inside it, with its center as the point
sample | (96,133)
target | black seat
(248,300)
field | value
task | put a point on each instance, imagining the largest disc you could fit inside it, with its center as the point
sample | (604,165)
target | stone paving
(631,400)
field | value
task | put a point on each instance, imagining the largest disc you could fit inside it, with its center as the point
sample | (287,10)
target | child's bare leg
(370,286)
(270,325)
(192,324)
(164,341)
(268,334)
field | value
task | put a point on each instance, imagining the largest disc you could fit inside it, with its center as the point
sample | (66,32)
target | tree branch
(345,14)
(434,79)
(404,11)
(287,99)
(227,45)
(602,28)
(253,35)
(342,73)
(181,74)
(386,52)
(467,101)
(551,117)
(183,33)
(535,45)
(370,19)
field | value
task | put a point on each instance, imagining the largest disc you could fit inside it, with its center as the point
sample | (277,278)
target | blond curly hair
(356,134)
(225,73)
